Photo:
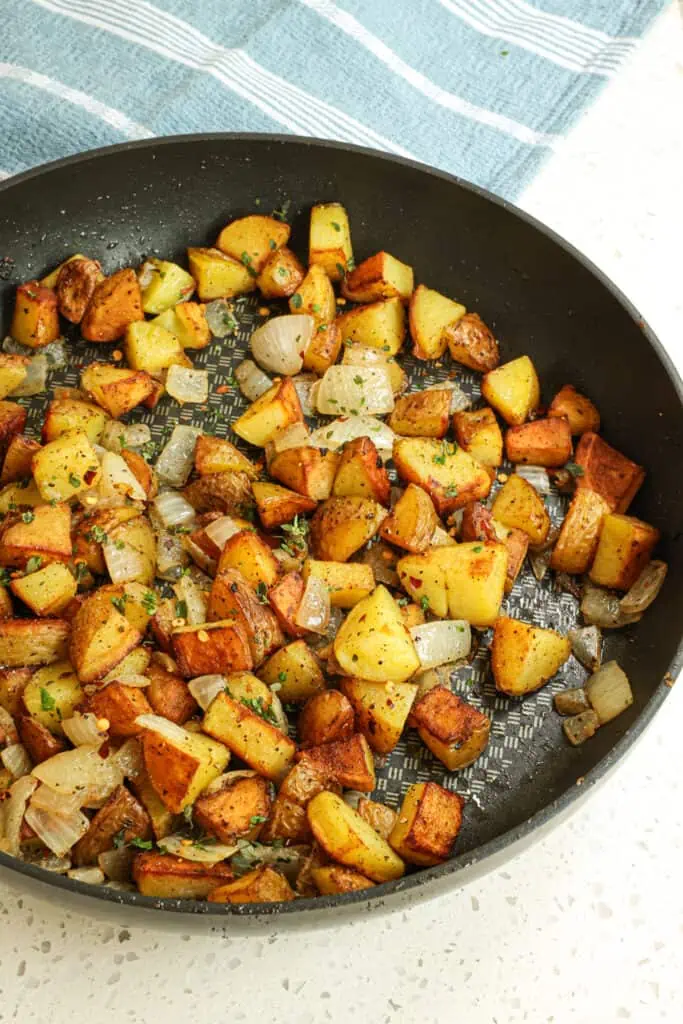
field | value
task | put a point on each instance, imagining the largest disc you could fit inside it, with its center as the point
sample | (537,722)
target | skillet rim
(415,885)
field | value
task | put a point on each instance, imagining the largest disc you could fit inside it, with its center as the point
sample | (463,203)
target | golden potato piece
(333,879)
(428,824)
(233,598)
(361,472)
(524,657)
(66,415)
(327,717)
(219,276)
(378,324)
(168,695)
(412,521)
(17,463)
(449,474)
(381,709)
(234,810)
(372,643)
(117,390)
(277,505)
(168,285)
(477,431)
(348,762)
(329,243)
(246,552)
(576,545)
(543,442)
(421,414)
(607,472)
(13,371)
(101,637)
(513,390)
(166,877)
(423,576)
(33,642)
(297,671)
(583,416)
(262,885)
(65,467)
(120,705)
(518,505)
(278,408)
(347,582)
(308,471)
(350,840)
(341,526)
(180,768)
(75,286)
(430,314)
(475,580)
(252,240)
(35,321)
(456,732)
(472,343)
(381,276)
(187,321)
(216,455)
(315,296)
(213,647)
(381,817)
(47,591)
(284,598)
(38,740)
(281,275)
(52,694)
(116,302)
(44,533)
(624,549)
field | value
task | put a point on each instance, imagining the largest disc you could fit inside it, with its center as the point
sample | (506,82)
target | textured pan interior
(157,198)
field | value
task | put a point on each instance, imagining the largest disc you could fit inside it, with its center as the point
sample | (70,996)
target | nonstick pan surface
(541,297)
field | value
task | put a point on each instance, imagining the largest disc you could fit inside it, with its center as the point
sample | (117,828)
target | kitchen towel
(485,89)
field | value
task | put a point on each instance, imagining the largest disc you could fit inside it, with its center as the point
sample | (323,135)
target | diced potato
(12,684)
(67,414)
(518,505)
(13,371)
(249,736)
(33,642)
(421,414)
(19,496)
(576,545)
(232,597)
(513,390)
(12,422)
(329,244)
(607,472)
(36,321)
(428,824)
(475,581)
(412,521)
(381,817)
(117,390)
(281,275)
(583,416)
(181,768)
(278,408)
(372,643)
(341,526)
(517,544)
(166,877)
(430,314)
(350,840)
(323,349)
(221,492)
(381,276)
(624,549)
(75,287)
(333,879)
(361,472)
(50,280)
(347,582)
(251,556)
(252,240)
(17,463)
(543,442)
(277,505)
(101,637)
(472,343)
(381,709)
(375,358)
(379,324)
(477,431)
(47,591)
(120,705)
(89,533)
(52,694)
(456,732)
(168,695)
(328,717)
(524,657)
(284,598)
(449,474)
(315,296)
(348,762)
(121,816)
(309,471)
(187,321)
(152,348)
(115,303)
(45,533)
(40,743)
(65,467)
(219,276)
(296,670)
(161,818)
(169,285)
(262,885)
(213,647)
(234,810)
(423,576)
(216,455)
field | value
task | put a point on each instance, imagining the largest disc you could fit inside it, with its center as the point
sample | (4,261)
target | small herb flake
(256,819)
(424,604)
(256,705)
(33,564)
(120,603)
(181,609)
(74,480)
(296,301)
(28,517)
(141,844)
(249,264)
(574,469)
(149,602)
(47,701)
(282,677)
(335,225)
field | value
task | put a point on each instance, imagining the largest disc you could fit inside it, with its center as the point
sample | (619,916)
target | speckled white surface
(587,925)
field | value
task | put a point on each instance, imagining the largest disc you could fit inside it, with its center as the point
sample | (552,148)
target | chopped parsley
(256,705)
(360,381)
(424,604)
(478,549)
(296,300)
(181,609)
(28,517)
(249,264)
(149,602)
(74,480)
(272,243)
(574,469)
(96,534)
(257,819)
(403,601)
(282,677)
(283,212)
(47,701)
(120,603)
(34,563)
(4,577)
(82,571)
(141,844)
(447,448)
(452,491)
(262,592)
(335,225)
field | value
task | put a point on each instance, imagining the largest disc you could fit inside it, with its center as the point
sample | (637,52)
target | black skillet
(540,296)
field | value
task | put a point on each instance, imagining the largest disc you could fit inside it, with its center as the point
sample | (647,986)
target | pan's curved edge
(422,885)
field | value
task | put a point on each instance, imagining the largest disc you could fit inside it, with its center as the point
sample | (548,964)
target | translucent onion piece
(171,555)
(316,641)
(539,562)
(14,809)
(220,318)
(173,509)
(288,860)
(314,610)
(206,851)
(128,758)
(205,688)
(459,399)
(92,876)
(55,831)
(117,436)
(146,274)
(572,701)
(187,385)
(645,589)
(56,354)
(117,863)
(537,476)
(126,563)
(221,530)
(64,804)
(602,608)
(278,711)
(439,643)
(303,384)
(82,771)
(118,478)
(35,381)
(290,562)
(16,760)
(280,344)
(163,727)
(366,355)
(199,556)
(82,730)
(225,780)
(335,434)
(609,692)
(355,390)
(174,465)
(441,538)
(252,381)
(195,598)
(587,646)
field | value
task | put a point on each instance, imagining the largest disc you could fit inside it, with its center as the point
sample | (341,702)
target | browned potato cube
(168,695)
(278,408)
(428,824)
(76,284)
(284,598)
(381,710)
(513,390)
(361,472)
(122,816)
(579,410)
(472,343)
(326,718)
(219,492)
(45,532)
(518,505)
(216,455)
(120,705)
(543,442)
(219,276)
(18,460)
(524,657)
(253,239)
(142,471)
(12,422)
(233,598)
(33,642)
(341,526)
(303,782)
(36,321)
(235,809)
(251,556)
(13,370)
(334,879)
(281,275)
(347,582)
(101,637)
(349,839)
(576,545)
(381,276)
(348,762)
(263,885)
(607,472)
(455,731)
(162,820)
(624,549)
(378,324)
(449,474)
(308,471)
(323,349)
(40,743)
(165,876)
(381,817)
(12,684)
(214,647)
(250,736)
(116,389)
(296,670)
(287,822)
(181,766)
(315,296)
(277,505)
(421,414)
(411,522)
(115,303)
(478,432)
(430,314)
(329,244)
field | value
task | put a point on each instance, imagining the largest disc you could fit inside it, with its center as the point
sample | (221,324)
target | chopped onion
(581,727)
(280,344)
(59,833)
(187,385)
(609,692)
(117,863)
(287,859)
(572,701)
(334,435)
(201,851)
(539,562)
(537,476)
(382,560)
(355,390)
(171,555)
(48,862)
(205,689)
(82,771)
(221,530)
(602,608)
(368,355)
(645,589)
(303,384)
(439,643)
(16,760)
(35,381)
(199,556)
(317,641)
(220,318)
(587,646)
(128,758)
(164,727)
(91,876)
(14,809)
(174,465)
(314,609)
(252,381)
(173,509)
(82,730)
(290,562)
(126,563)
(195,597)
(117,436)
(441,538)
(118,478)
(64,804)
(459,399)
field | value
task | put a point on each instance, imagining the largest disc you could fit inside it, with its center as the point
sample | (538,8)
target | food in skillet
(208,651)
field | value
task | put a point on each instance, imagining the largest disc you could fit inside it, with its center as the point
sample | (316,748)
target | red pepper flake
(222,389)
(414,582)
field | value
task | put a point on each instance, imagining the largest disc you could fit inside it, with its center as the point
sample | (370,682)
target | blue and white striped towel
(482,88)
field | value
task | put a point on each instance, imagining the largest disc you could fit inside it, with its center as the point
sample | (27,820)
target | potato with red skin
(285,598)
(542,442)
(120,815)
(472,343)
(232,598)
(478,432)
(583,416)
(115,303)
(76,284)
(607,472)
(40,743)
(168,695)
(228,811)
(17,464)
(222,647)
(36,320)
(422,414)
(277,505)
(326,718)
(361,472)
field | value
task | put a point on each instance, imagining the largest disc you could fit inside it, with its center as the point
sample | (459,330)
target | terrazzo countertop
(586,926)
